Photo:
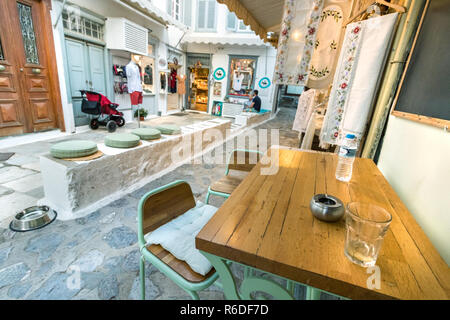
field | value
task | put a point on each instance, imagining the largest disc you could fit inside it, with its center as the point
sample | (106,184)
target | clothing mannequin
(237,81)
(134,84)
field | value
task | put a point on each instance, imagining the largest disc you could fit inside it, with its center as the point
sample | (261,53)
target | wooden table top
(267,224)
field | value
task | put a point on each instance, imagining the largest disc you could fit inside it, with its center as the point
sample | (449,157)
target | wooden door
(27,94)
(12,111)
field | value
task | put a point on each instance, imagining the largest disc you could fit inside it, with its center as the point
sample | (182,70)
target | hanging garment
(148,75)
(237,82)
(136,98)
(304,110)
(181,84)
(309,133)
(296,45)
(134,78)
(360,64)
(173,81)
(328,43)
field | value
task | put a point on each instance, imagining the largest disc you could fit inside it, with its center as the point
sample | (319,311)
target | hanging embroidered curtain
(359,68)
(305,109)
(328,43)
(296,44)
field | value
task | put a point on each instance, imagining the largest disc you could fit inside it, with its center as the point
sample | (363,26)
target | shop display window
(147,66)
(241,76)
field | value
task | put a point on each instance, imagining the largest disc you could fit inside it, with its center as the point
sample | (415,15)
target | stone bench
(75,189)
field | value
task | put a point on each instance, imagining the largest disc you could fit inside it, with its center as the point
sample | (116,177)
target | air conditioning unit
(122,34)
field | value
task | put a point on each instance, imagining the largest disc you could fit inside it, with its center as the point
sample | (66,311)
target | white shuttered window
(206,15)
(231,21)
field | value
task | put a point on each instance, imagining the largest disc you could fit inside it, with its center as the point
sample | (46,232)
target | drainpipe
(397,60)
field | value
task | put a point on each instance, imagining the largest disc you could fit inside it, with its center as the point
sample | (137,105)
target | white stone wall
(75,189)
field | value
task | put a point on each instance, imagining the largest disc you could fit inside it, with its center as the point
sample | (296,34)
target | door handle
(21,69)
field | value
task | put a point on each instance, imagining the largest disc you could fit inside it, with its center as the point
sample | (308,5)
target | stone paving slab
(26,183)
(33,166)
(11,173)
(12,203)
(19,160)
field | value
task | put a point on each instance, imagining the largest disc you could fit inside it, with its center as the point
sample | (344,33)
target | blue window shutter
(169,7)
(211,17)
(201,14)
(231,21)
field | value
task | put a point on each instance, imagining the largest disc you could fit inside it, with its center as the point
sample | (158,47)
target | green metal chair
(228,183)
(155,209)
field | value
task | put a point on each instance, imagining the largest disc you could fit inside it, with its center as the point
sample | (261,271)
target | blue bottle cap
(350,136)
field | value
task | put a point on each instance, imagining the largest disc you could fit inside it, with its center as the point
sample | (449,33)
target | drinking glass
(366,226)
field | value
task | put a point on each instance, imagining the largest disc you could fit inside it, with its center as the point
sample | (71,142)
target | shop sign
(264,83)
(219,74)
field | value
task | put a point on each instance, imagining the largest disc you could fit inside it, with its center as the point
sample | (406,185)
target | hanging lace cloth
(310,132)
(304,110)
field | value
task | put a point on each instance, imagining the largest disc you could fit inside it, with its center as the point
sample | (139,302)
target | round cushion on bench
(147,133)
(122,140)
(169,129)
(73,149)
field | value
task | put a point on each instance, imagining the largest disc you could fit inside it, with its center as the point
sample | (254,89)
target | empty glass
(366,226)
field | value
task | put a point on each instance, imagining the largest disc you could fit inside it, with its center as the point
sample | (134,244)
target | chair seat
(227,184)
(179,266)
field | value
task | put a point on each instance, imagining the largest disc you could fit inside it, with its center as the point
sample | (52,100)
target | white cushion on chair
(178,236)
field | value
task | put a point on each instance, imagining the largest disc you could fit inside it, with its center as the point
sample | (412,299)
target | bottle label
(347,153)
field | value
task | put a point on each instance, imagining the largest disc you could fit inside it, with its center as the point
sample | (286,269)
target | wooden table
(266,224)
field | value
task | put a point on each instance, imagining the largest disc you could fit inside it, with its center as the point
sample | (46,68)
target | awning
(262,16)
(223,40)
(145,7)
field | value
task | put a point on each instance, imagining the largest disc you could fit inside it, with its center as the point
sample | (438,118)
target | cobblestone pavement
(103,245)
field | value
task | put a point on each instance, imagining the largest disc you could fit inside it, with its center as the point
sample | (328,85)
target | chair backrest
(243,160)
(163,204)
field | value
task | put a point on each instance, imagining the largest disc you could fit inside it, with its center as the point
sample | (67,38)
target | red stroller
(98,105)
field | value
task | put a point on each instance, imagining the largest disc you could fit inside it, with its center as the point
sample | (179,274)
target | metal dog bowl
(33,218)
(327,208)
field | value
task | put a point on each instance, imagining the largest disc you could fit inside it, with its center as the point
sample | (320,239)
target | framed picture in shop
(217,108)
(217,89)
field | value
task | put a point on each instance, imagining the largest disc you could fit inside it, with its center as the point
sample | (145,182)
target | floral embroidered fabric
(298,34)
(328,42)
(304,110)
(360,64)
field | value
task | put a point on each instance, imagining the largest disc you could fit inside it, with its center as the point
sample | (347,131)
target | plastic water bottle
(347,154)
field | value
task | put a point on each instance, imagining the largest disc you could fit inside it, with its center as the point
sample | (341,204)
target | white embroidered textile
(304,110)
(360,64)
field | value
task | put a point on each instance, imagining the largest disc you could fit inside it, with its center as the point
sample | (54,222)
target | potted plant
(142,113)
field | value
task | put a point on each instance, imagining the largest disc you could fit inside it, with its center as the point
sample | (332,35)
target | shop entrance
(198,76)
(86,72)
(85,58)
(27,91)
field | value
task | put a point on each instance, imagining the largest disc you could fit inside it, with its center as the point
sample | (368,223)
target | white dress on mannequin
(133,77)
